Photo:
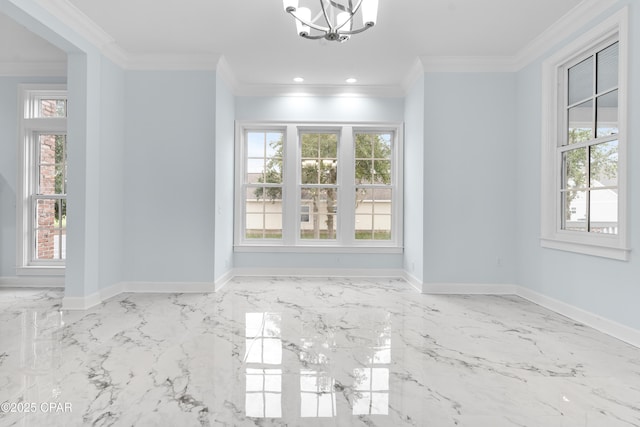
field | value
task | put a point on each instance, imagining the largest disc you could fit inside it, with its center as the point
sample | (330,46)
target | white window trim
(552,236)
(28,93)
(290,242)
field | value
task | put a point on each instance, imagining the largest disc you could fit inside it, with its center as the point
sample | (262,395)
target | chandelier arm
(359,30)
(307,36)
(310,24)
(326,15)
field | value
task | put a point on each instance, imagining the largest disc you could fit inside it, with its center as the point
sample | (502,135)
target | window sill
(41,271)
(320,249)
(593,249)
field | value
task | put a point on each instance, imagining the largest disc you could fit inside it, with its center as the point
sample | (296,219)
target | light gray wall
(469,186)
(169,176)
(305,108)
(414,180)
(605,287)
(112,185)
(224,178)
(9,166)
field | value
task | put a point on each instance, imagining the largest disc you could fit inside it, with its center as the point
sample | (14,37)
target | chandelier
(335,19)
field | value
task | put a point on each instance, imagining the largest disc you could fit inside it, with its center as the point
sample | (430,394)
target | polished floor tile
(309,352)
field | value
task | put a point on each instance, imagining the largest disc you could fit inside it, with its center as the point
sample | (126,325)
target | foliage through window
(342,184)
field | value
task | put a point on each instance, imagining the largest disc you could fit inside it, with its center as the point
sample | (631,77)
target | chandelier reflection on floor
(335,19)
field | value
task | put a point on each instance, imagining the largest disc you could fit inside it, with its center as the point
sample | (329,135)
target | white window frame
(31,125)
(553,129)
(292,211)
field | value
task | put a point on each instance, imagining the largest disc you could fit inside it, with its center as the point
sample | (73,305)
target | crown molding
(75,19)
(33,69)
(569,24)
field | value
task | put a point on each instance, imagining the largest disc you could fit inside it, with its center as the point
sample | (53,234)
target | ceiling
(258,41)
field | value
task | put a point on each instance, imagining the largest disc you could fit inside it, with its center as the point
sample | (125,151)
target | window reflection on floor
(267,396)
(372,382)
(262,354)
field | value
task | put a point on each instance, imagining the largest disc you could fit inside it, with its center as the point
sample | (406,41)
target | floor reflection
(314,360)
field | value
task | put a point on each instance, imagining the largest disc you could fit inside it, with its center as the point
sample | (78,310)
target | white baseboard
(609,327)
(319,272)
(32,282)
(84,303)
(612,328)
(222,281)
(412,280)
(468,289)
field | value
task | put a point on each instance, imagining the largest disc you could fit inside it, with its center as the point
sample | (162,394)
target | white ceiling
(258,40)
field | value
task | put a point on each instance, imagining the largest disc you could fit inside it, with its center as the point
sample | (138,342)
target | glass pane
(575,210)
(608,68)
(319,163)
(364,171)
(52,108)
(364,144)
(373,214)
(607,114)
(322,218)
(581,122)
(61,152)
(382,172)
(263,207)
(574,168)
(581,81)
(50,229)
(603,212)
(47,179)
(47,149)
(604,164)
(255,144)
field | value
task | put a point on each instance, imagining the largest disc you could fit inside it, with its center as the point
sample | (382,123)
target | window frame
(30,127)
(554,122)
(292,211)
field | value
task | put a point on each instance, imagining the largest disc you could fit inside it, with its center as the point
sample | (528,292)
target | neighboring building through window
(584,124)
(42,199)
(313,186)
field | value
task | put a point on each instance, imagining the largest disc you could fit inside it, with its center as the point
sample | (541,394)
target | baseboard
(319,272)
(222,281)
(468,289)
(85,303)
(412,280)
(609,327)
(32,282)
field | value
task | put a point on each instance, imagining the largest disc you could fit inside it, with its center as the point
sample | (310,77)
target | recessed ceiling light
(351,80)
(298,79)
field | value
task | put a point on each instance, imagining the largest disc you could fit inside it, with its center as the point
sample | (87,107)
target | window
(42,199)
(584,152)
(317,187)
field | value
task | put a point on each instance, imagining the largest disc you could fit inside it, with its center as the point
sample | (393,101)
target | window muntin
(589,155)
(42,197)
(338,185)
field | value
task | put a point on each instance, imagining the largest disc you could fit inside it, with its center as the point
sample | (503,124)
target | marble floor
(308,352)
